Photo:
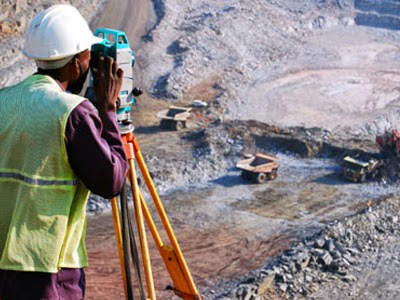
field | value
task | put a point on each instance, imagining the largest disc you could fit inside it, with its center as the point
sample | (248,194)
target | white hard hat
(56,34)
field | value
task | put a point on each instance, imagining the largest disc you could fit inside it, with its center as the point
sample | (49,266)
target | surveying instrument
(115,43)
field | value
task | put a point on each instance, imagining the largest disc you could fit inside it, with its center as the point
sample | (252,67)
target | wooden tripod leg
(179,273)
(184,286)
(118,236)
(142,231)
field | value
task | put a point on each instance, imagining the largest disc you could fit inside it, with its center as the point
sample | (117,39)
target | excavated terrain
(307,81)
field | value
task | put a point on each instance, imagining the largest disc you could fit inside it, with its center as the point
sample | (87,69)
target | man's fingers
(108,63)
(120,73)
(114,67)
(98,61)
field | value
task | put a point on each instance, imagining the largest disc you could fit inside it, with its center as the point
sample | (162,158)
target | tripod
(183,285)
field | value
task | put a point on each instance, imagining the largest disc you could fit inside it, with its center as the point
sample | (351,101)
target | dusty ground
(307,66)
(359,70)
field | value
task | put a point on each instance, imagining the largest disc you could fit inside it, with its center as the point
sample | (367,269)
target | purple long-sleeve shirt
(95,150)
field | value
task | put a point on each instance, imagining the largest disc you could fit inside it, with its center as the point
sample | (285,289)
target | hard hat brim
(93,40)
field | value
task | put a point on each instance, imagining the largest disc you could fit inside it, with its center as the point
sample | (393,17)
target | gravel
(353,258)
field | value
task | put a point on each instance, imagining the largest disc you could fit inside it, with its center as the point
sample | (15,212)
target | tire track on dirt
(212,255)
(132,17)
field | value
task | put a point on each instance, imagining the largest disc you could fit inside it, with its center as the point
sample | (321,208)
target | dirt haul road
(229,228)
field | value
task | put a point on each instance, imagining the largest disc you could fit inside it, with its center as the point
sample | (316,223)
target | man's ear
(74,67)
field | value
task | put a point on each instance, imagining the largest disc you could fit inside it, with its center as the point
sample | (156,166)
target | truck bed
(258,163)
(174,113)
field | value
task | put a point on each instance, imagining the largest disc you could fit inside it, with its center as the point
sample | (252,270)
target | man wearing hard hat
(55,147)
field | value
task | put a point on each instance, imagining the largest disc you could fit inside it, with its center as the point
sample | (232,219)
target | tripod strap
(130,246)
(125,241)
(135,260)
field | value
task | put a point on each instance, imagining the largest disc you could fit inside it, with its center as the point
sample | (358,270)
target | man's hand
(107,81)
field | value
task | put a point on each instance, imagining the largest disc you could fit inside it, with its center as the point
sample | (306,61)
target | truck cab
(359,171)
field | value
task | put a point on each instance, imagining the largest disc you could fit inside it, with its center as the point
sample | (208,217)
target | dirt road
(133,17)
(229,228)
(211,254)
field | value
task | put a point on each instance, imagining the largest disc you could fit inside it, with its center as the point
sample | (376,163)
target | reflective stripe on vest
(35,181)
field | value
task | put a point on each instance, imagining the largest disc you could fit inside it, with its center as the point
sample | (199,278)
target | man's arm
(95,150)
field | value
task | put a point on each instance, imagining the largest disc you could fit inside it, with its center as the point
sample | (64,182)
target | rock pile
(333,263)
(231,42)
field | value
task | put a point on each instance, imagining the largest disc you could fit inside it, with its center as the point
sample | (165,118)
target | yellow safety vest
(42,202)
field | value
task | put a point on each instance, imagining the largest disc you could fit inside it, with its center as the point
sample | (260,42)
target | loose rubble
(332,262)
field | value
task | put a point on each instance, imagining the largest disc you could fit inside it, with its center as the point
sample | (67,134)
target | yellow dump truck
(174,118)
(359,171)
(259,167)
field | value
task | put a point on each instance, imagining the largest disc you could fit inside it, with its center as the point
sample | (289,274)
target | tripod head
(116,44)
